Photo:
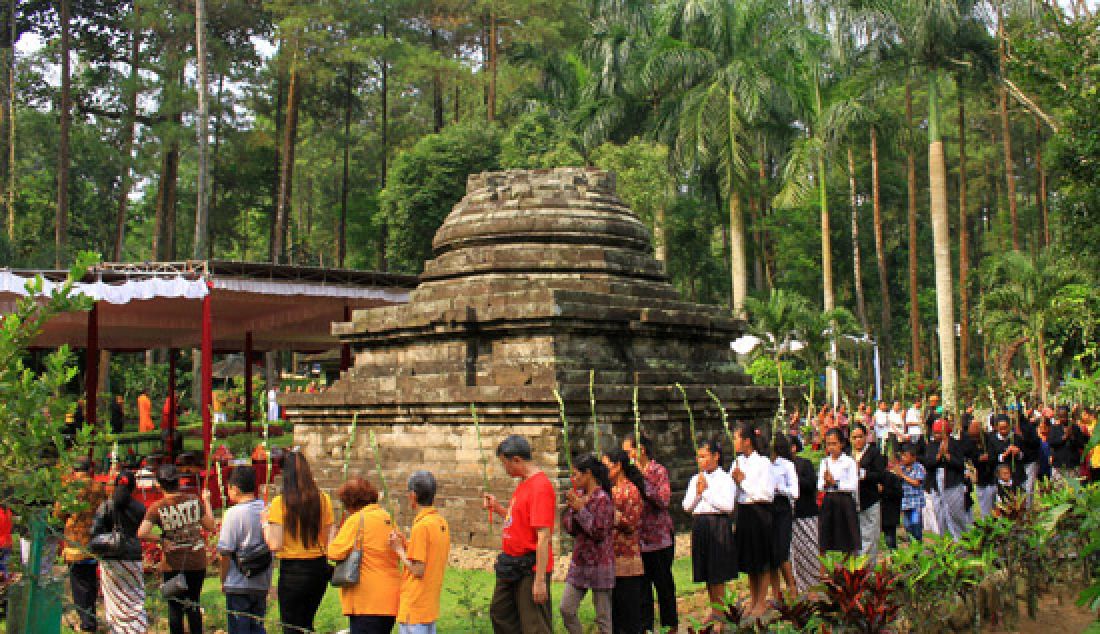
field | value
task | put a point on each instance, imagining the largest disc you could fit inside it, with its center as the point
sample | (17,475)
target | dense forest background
(834,149)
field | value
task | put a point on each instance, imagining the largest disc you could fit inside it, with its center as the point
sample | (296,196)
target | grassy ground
(464,605)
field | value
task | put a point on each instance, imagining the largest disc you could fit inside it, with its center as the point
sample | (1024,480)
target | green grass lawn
(464,604)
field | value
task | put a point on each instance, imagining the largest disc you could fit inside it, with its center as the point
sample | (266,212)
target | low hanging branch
(482,459)
(564,431)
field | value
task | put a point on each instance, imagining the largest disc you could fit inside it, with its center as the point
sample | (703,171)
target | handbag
(346,573)
(108,545)
(253,560)
(174,587)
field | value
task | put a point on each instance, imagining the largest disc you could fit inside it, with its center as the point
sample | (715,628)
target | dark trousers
(361,624)
(85,588)
(514,611)
(890,535)
(186,605)
(245,613)
(625,617)
(658,576)
(302,585)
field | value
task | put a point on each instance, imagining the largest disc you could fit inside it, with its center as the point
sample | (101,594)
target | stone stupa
(538,278)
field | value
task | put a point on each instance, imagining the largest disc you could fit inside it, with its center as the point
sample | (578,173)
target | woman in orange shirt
(370,605)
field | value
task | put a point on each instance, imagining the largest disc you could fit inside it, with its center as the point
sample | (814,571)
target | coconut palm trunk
(964,249)
(884,339)
(941,237)
(857,274)
(917,365)
(738,266)
(1006,132)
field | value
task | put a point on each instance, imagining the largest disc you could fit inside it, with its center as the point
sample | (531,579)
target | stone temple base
(538,278)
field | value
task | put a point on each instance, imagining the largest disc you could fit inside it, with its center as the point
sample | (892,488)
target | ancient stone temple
(538,278)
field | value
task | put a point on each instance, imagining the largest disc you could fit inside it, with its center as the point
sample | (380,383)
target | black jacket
(996,447)
(874,466)
(1028,440)
(890,500)
(129,519)
(1067,442)
(806,504)
(987,468)
(954,465)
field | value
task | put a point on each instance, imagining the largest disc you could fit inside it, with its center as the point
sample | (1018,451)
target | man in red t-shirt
(521,599)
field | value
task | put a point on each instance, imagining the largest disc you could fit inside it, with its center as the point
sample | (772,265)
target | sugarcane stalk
(691,418)
(592,406)
(482,459)
(347,446)
(221,487)
(637,423)
(382,477)
(564,431)
(267,456)
(722,413)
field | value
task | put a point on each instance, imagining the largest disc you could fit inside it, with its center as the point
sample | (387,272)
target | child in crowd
(912,476)
(1007,488)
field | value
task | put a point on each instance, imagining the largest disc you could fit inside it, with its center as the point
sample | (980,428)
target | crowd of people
(758,508)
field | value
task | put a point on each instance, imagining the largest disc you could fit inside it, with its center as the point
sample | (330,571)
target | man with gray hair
(424,556)
(521,598)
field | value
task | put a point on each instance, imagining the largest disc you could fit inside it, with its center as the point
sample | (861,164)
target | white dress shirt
(785,478)
(844,470)
(718,497)
(882,423)
(897,423)
(758,485)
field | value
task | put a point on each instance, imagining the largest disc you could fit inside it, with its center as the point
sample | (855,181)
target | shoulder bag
(108,545)
(346,573)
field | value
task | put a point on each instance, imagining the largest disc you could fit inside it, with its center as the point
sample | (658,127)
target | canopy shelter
(216,305)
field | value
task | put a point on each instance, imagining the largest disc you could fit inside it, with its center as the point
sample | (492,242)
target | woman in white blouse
(755,491)
(838,477)
(710,499)
(786,492)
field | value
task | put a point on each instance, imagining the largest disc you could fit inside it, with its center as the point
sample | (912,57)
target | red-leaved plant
(860,598)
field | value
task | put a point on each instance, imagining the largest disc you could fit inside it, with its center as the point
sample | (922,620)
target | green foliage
(34,457)
(537,140)
(763,372)
(426,182)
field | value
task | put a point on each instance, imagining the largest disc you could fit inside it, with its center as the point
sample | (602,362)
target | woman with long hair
(298,527)
(656,535)
(370,605)
(838,477)
(710,499)
(804,551)
(121,575)
(627,485)
(785,477)
(589,517)
(755,491)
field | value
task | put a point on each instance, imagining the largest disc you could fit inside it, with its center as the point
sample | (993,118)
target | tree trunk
(280,89)
(62,218)
(437,86)
(10,61)
(7,50)
(755,203)
(659,235)
(1006,133)
(165,219)
(128,133)
(857,273)
(941,236)
(884,337)
(738,269)
(964,249)
(1043,209)
(341,234)
(1041,356)
(202,234)
(286,167)
(215,169)
(383,230)
(917,366)
(492,105)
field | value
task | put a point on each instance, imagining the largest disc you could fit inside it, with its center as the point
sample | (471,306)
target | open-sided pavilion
(217,306)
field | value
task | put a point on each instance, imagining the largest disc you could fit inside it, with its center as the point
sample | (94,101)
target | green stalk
(382,477)
(564,431)
(221,489)
(637,423)
(725,418)
(348,445)
(592,405)
(267,456)
(482,459)
(691,418)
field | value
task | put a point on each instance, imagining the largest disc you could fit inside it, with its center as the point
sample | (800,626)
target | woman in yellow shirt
(371,604)
(298,528)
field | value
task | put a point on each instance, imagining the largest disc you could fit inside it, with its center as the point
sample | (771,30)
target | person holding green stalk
(521,598)
(710,500)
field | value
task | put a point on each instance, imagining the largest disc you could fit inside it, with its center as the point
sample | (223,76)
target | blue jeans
(246,613)
(416,628)
(913,522)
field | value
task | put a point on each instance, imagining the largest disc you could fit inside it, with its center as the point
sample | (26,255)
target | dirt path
(1058,613)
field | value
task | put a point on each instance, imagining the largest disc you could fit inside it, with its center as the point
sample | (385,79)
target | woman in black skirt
(755,490)
(786,493)
(710,499)
(838,477)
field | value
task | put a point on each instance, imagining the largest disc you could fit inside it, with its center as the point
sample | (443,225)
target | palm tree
(1026,296)
(778,322)
(719,78)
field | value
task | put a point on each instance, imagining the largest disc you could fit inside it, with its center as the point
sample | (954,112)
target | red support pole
(206,365)
(248,381)
(169,422)
(345,349)
(91,367)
